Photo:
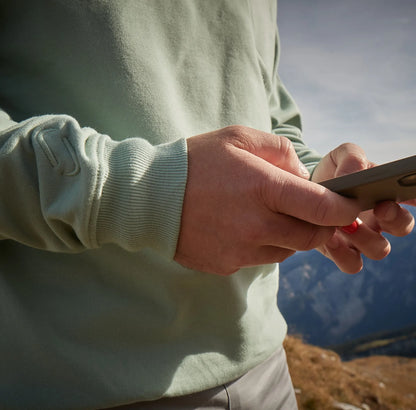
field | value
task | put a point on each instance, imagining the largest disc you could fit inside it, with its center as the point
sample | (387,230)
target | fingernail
(303,170)
(353,227)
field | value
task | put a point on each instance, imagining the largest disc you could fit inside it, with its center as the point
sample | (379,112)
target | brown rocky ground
(323,381)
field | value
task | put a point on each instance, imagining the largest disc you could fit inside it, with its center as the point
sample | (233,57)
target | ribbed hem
(142,195)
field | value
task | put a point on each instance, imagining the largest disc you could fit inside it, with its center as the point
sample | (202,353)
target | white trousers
(268,386)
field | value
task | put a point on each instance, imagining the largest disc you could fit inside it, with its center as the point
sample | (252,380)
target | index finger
(410,202)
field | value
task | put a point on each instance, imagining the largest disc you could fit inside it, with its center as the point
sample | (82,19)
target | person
(152,176)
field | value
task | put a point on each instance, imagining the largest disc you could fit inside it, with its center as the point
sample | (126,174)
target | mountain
(328,307)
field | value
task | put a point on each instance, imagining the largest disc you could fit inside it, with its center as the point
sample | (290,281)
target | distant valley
(328,307)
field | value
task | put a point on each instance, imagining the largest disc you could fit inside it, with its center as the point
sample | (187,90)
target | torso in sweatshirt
(98,98)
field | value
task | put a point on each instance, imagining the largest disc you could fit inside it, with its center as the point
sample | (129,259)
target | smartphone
(395,181)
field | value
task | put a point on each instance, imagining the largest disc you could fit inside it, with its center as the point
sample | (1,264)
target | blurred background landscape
(352,338)
(350,66)
(372,312)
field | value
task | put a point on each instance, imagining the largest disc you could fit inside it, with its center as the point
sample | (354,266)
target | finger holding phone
(346,247)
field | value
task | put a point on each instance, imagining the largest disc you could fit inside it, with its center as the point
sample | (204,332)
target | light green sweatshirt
(97,99)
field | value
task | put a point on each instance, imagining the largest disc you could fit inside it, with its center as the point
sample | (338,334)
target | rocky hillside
(323,381)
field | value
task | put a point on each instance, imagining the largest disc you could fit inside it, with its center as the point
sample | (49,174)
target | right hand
(248,202)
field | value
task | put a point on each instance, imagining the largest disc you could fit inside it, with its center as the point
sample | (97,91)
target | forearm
(66,188)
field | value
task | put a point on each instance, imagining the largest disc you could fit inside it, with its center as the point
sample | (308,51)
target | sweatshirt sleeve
(286,119)
(66,188)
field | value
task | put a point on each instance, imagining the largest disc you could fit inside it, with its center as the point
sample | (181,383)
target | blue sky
(351,67)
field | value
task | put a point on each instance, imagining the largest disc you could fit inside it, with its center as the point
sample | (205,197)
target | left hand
(346,249)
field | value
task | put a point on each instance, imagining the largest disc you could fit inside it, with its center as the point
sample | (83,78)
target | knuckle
(316,236)
(231,262)
(284,254)
(351,149)
(347,147)
(236,133)
(285,144)
(334,210)
(357,159)
(283,148)
(238,136)
(383,252)
(323,210)
(357,163)
(354,269)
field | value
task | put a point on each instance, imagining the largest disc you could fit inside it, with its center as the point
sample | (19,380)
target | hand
(248,202)
(346,249)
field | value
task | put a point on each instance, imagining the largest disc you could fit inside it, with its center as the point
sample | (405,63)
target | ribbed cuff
(142,195)
(5,121)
